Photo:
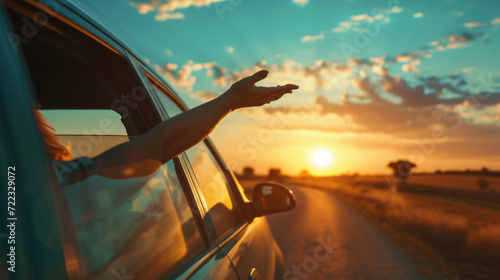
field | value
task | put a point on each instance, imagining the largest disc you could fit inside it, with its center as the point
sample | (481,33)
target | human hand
(244,93)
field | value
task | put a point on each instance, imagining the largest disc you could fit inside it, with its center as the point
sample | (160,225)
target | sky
(379,80)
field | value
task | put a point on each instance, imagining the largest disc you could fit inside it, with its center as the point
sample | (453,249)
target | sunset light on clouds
(378,80)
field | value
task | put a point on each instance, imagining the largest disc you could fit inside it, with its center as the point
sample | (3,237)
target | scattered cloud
(169,52)
(411,109)
(411,67)
(356,20)
(167,10)
(496,21)
(418,15)
(474,24)
(181,77)
(404,57)
(313,38)
(301,2)
(456,41)
(229,49)
(165,16)
(362,17)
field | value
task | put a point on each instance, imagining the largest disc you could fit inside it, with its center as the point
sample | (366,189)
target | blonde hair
(53,147)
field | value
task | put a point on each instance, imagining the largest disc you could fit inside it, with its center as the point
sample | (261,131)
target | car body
(188,220)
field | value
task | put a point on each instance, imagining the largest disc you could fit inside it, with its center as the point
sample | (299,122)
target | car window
(167,103)
(223,207)
(88,100)
(143,225)
(86,133)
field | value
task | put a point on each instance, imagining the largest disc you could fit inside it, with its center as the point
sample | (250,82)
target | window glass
(213,183)
(169,105)
(144,224)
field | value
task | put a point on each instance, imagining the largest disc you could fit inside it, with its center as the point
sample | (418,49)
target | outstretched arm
(146,153)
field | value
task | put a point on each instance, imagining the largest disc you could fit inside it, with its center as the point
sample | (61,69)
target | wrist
(228,100)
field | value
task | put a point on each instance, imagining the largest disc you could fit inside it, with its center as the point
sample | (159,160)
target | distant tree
(483,184)
(248,171)
(304,173)
(438,171)
(401,170)
(485,170)
(274,173)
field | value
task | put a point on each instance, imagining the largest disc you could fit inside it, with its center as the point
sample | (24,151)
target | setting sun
(321,157)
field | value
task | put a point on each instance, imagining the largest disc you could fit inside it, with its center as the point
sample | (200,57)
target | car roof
(86,22)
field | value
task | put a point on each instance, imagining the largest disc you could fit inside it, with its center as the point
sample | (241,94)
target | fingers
(291,86)
(258,76)
(275,97)
(280,89)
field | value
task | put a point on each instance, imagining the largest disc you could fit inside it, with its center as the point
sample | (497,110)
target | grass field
(461,240)
(464,182)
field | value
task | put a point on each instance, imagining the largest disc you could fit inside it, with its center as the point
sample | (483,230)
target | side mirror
(272,198)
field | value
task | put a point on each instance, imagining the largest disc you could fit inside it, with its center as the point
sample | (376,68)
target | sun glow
(322,157)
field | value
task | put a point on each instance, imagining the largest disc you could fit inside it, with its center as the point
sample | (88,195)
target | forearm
(185,130)
(143,155)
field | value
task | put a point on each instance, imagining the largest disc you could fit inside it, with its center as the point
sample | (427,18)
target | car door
(249,245)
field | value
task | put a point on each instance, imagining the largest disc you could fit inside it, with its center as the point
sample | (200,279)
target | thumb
(258,76)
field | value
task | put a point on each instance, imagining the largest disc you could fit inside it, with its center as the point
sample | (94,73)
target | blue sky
(377,77)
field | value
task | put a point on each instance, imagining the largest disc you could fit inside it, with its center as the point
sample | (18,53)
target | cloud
(396,10)
(390,103)
(169,52)
(166,10)
(380,70)
(496,21)
(418,15)
(313,38)
(301,2)
(377,60)
(165,16)
(356,20)
(145,8)
(371,100)
(181,77)
(404,58)
(454,41)
(412,67)
(474,24)
(229,49)
(361,17)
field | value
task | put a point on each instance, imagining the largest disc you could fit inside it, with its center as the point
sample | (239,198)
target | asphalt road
(324,238)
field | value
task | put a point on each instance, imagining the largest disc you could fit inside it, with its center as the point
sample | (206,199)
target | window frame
(193,193)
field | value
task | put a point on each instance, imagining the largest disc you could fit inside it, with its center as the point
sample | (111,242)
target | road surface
(324,238)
